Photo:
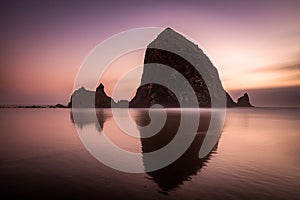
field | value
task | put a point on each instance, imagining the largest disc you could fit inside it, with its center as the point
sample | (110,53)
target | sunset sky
(255,45)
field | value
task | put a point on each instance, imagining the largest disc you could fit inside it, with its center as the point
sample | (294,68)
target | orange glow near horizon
(244,78)
(38,73)
(118,69)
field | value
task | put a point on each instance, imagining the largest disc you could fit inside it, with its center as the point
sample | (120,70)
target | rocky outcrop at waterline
(244,101)
(83,98)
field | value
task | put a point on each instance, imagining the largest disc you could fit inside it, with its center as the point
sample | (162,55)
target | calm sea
(42,156)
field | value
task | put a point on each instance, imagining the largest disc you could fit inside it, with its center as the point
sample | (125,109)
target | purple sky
(254,44)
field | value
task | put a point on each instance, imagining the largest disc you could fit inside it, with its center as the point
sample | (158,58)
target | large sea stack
(174,50)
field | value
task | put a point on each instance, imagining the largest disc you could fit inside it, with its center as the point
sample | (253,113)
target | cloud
(294,67)
(280,75)
(292,34)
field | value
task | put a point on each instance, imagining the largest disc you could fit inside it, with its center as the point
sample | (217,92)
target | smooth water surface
(42,156)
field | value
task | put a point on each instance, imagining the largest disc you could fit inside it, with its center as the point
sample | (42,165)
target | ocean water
(43,156)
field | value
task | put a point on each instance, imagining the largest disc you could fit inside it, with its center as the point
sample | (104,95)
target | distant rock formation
(101,99)
(244,101)
(181,53)
(83,98)
(59,106)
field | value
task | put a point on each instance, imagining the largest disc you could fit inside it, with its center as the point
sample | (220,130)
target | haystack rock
(174,50)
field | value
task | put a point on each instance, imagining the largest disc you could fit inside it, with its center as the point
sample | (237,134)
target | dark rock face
(121,104)
(150,94)
(157,56)
(101,99)
(229,101)
(82,98)
(244,101)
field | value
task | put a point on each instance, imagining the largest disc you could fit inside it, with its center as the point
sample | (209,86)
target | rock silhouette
(167,59)
(82,98)
(174,50)
(101,99)
(244,101)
